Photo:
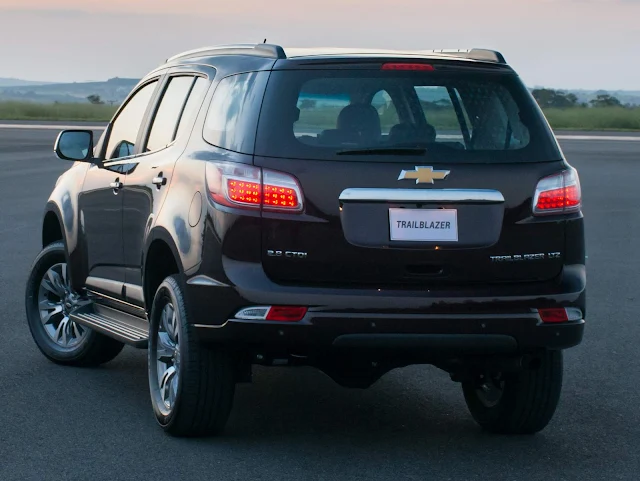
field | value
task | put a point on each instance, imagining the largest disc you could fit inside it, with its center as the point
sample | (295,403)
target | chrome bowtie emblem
(423,175)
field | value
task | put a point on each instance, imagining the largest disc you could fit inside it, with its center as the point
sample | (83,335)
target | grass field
(608,118)
(604,118)
(34,111)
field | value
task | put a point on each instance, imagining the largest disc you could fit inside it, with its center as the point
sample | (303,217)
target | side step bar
(119,325)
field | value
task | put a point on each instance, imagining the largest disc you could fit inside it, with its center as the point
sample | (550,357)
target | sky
(588,44)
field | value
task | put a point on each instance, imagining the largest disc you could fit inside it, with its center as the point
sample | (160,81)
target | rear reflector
(272,313)
(558,194)
(286,313)
(560,314)
(425,67)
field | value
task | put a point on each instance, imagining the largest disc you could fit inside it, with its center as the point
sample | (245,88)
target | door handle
(160,181)
(116,184)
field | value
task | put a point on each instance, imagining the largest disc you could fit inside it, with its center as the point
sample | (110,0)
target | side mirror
(75,145)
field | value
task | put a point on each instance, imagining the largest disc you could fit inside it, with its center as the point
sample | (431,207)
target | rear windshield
(448,116)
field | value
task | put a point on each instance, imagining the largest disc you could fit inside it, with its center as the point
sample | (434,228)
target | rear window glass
(454,116)
(233,113)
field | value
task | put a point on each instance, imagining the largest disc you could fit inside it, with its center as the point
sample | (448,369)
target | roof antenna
(265,41)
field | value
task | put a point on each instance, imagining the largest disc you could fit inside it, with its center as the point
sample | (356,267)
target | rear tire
(520,403)
(192,386)
(48,301)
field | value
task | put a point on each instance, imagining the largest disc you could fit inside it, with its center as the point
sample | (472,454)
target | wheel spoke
(65,279)
(165,320)
(165,382)
(52,311)
(60,331)
(46,305)
(173,388)
(46,284)
(166,349)
(56,282)
(77,330)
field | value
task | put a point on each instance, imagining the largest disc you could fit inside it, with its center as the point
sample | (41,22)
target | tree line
(550,98)
(546,98)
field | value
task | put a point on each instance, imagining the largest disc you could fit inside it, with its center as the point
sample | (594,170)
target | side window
(440,113)
(167,117)
(386,110)
(232,119)
(193,105)
(127,125)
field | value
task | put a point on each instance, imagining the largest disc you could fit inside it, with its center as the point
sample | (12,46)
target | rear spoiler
(481,54)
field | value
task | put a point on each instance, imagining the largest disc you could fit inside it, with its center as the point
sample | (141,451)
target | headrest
(360,119)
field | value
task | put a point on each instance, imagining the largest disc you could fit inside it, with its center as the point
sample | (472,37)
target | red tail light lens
(286,313)
(243,192)
(281,192)
(553,315)
(558,194)
(237,185)
(424,67)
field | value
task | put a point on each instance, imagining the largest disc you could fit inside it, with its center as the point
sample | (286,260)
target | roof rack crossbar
(482,54)
(258,50)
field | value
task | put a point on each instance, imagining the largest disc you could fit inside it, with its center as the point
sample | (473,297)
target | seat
(405,133)
(357,124)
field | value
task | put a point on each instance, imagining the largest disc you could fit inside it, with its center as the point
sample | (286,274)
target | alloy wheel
(168,355)
(56,300)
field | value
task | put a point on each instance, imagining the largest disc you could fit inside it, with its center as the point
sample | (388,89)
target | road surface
(61,423)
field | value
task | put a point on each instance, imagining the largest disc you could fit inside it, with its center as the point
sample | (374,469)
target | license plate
(423,225)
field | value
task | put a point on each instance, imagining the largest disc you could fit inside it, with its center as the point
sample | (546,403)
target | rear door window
(167,118)
(469,115)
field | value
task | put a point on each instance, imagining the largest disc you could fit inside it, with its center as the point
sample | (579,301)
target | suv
(356,211)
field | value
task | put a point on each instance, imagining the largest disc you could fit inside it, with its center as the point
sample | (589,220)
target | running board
(119,325)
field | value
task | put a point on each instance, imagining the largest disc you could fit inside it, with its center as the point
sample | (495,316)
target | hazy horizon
(569,44)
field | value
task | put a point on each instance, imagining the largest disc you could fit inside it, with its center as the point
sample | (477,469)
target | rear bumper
(432,335)
(473,320)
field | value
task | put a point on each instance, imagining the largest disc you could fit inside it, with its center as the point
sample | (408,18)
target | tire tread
(529,400)
(208,385)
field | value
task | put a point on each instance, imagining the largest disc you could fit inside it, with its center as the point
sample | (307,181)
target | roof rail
(473,54)
(258,50)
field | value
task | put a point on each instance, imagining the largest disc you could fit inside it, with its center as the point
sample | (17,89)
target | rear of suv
(355,211)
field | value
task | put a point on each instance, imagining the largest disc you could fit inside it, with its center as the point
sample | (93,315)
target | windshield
(456,116)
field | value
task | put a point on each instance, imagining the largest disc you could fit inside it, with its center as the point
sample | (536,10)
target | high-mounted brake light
(425,67)
(237,185)
(558,194)
(272,313)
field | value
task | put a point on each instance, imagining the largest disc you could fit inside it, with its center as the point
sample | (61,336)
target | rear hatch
(410,174)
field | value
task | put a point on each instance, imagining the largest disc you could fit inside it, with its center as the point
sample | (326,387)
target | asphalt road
(295,424)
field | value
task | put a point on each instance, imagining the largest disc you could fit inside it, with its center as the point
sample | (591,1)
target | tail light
(558,194)
(272,313)
(238,185)
(560,314)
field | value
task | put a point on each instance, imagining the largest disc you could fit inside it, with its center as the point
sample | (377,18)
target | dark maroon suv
(356,211)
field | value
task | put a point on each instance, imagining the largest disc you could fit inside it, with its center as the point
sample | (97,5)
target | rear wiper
(385,151)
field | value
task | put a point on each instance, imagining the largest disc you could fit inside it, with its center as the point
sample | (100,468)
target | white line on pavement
(618,138)
(50,127)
